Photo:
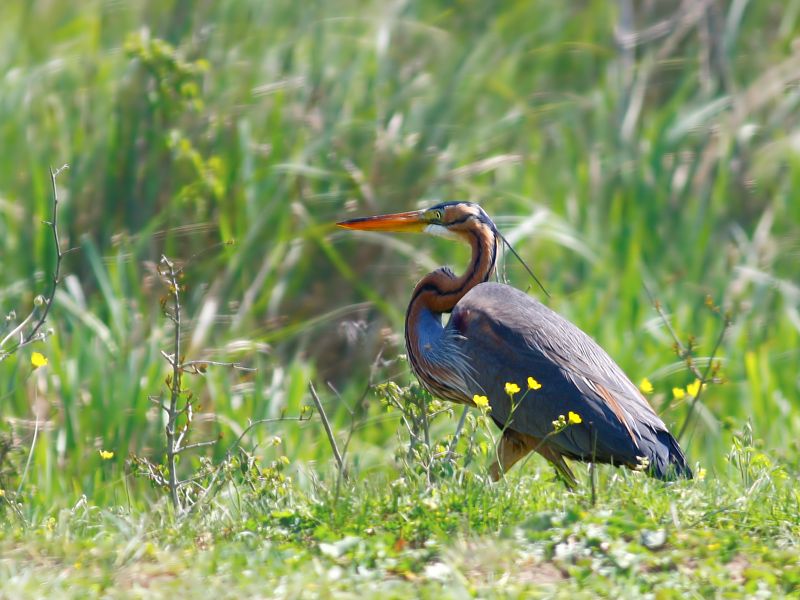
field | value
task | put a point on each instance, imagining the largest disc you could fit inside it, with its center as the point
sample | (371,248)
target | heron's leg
(562,468)
(513,446)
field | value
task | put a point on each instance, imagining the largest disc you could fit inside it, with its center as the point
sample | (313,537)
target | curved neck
(437,293)
(441,290)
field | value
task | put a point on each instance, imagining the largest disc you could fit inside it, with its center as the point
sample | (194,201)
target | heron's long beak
(404,222)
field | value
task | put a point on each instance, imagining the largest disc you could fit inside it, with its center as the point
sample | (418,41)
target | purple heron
(497,334)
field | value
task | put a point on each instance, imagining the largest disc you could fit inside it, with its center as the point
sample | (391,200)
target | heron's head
(464,221)
(456,220)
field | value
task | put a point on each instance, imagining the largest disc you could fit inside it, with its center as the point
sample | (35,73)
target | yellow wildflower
(574,418)
(646,387)
(480,401)
(2,493)
(678,393)
(38,360)
(701,474)
(511,388)
(533,384)
(693,388)
(106,455)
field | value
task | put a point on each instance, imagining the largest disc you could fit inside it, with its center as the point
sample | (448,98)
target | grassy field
(621,147)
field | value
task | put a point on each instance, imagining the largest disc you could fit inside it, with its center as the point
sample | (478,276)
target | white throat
(440,231)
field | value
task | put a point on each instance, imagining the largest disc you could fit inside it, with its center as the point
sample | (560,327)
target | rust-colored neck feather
(441,290)
(438,293)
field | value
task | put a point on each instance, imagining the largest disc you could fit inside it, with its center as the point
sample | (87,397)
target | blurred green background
(617,144)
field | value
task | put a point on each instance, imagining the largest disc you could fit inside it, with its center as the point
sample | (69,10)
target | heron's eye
(435,214)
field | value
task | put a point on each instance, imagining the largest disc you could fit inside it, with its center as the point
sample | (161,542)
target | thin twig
(53,223)
(354,424)
(34,334)
(326,424)
(459,428)
(257,422)
(685,354)
(704,379)
(170,358)
(157,401)
(194,445)
(197,365)
(30,455)
(17,329)
(202,253)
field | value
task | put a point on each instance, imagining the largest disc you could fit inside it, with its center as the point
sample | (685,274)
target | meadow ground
(526,537)
(626,149)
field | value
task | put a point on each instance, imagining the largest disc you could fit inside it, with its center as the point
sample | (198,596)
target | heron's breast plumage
(436,359)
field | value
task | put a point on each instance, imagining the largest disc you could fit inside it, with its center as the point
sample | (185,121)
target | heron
(497,337)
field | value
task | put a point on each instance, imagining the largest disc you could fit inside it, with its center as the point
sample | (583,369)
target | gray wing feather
(509,336)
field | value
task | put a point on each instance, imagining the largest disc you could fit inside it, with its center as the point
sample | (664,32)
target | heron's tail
(667,460)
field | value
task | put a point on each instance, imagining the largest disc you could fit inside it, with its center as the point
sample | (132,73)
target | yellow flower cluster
(512,388)
(693,389)
(646,387)
(106,455)
(563,422)
(480,401)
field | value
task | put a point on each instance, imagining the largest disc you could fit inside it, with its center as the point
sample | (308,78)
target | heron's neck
(440,291)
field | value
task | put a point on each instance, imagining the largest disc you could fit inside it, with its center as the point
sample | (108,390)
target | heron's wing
(509,336)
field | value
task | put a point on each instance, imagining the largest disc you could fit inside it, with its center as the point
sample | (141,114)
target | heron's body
(497,334)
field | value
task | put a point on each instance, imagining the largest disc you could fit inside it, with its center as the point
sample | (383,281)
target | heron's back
(509,336)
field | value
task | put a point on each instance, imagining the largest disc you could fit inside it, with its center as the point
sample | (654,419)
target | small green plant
(420,453)
(753,465)
(179,405)
(417,409)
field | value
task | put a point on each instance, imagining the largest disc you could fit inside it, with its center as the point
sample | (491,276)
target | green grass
(523,538)
(671,164)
